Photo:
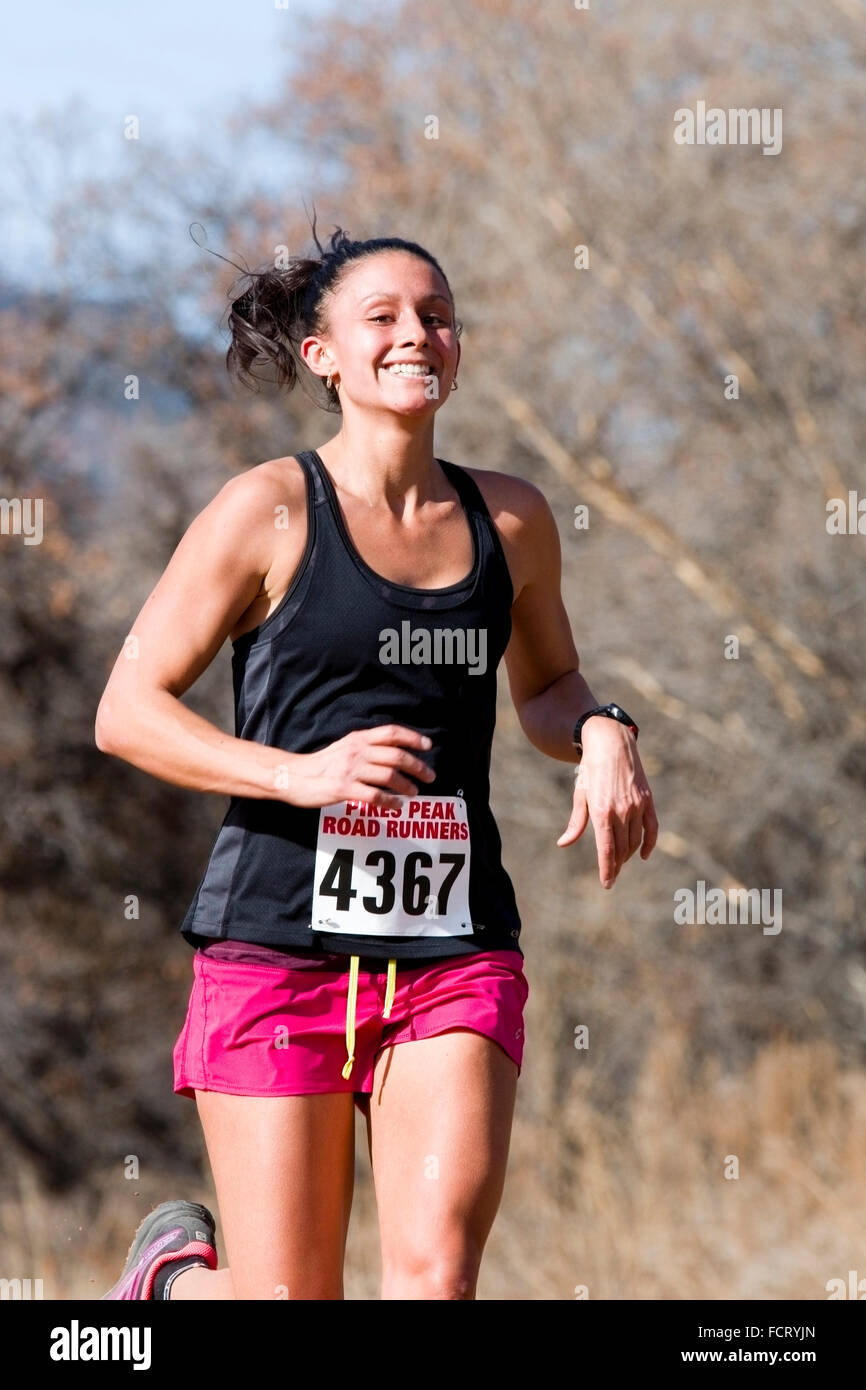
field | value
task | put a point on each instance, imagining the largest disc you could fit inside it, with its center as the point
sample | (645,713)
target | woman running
(357,940)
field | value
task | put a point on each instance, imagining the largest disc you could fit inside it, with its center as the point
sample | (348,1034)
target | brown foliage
(605,386)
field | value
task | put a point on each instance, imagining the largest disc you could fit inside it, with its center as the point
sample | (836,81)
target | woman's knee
(434,1271)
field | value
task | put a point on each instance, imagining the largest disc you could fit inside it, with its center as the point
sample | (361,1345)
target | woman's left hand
(612,791)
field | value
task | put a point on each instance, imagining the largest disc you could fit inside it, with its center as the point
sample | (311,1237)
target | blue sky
(171,61)
(180,66)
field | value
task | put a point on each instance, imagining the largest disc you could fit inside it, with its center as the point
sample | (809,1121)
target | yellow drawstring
(350,1016)
(391,987)
(353,999)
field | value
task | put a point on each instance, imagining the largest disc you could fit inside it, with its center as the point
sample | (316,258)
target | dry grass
(643,1209)
(636,1207)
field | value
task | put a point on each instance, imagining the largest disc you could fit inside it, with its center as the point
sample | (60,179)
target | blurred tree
(504,137)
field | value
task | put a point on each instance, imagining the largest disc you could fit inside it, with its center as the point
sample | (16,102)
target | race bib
(404,872)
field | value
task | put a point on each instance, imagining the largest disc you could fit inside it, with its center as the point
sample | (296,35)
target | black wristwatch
(609,712)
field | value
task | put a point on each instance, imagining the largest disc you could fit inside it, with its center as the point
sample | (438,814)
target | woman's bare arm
(550,694)
(210,581)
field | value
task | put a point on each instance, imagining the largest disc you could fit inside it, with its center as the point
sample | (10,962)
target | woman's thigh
(439,1128)
(283,1168)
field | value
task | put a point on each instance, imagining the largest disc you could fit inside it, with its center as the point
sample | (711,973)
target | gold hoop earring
(454,384)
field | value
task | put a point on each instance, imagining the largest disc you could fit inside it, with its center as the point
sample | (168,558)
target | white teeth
(409,369)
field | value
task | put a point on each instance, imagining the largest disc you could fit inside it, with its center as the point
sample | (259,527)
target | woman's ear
(316,356)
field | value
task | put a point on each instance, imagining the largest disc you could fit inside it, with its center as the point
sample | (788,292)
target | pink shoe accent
(195,1247)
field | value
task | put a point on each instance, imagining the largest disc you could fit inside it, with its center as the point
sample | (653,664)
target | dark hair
(281,307)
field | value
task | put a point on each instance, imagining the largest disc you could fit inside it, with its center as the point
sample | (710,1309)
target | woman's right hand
(372,765)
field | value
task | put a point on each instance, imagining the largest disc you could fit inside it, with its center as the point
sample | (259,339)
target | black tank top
(347,649)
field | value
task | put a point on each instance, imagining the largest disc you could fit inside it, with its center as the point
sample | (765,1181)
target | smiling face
(391,330)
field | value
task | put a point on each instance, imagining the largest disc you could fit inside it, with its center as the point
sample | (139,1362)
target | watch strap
(609,712)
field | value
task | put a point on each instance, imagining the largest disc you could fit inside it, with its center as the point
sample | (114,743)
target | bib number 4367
(393,873)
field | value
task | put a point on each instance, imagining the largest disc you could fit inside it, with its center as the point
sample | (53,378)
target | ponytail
(269,321)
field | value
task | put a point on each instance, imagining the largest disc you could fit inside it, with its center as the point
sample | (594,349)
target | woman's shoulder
(252,507)
(518,508)
(508,494)
(522,517)
(275,480)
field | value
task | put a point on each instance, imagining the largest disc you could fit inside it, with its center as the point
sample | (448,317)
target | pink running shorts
(274,1030)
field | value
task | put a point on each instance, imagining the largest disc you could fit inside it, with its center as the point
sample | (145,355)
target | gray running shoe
(172,1231)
